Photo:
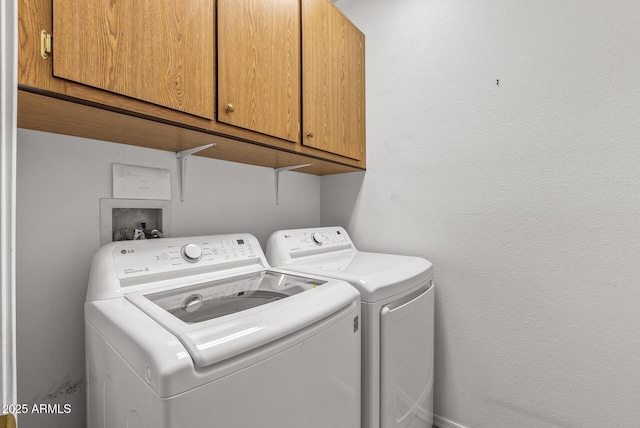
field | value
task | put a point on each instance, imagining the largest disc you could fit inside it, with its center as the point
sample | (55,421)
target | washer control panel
(135,259)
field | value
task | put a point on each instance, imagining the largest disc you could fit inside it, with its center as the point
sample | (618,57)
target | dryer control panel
(297,243)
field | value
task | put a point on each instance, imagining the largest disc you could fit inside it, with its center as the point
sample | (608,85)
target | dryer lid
(377,276)
(219,319)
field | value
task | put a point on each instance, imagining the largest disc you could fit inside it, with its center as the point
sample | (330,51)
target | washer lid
(219,319)
(377,276)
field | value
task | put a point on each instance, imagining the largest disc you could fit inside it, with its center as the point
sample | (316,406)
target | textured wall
(60,182)
(524,193)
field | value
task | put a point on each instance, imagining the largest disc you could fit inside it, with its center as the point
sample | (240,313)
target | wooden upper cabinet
(160,51)
(333,81)
(259,66)
(161,73)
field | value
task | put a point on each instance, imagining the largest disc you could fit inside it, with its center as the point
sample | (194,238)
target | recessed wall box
(119,218)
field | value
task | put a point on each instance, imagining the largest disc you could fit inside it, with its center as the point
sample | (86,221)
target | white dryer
(397,295)
(200,332)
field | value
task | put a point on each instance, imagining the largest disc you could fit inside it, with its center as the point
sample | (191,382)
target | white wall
(525,196)
(60,181)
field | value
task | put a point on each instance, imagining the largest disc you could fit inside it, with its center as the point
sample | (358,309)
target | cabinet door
(332,81)
(259,66)
(159,51)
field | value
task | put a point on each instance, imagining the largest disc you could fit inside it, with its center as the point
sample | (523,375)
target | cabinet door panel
(333,81)
(259,66)
(159,51)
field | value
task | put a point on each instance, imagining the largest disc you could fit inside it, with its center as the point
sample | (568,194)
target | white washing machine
(397,295)
(200,332)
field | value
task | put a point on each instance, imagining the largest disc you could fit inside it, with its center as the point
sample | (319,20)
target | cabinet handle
(230,108)
(310,134)
(45,44)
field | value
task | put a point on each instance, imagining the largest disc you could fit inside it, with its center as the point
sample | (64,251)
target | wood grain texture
(259,65)
(333,81)
(36,75)
(45,113)
(34,16)
(158,51)
(7,421)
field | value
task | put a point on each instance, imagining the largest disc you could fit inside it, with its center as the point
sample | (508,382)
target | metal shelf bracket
(182,165)
(277,171)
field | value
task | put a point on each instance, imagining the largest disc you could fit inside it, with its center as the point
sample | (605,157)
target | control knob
(191,253)
(318,238)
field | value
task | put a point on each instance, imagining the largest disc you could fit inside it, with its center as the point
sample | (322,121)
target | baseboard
(440,422)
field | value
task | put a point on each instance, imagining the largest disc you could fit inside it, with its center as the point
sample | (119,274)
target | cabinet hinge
(45,44)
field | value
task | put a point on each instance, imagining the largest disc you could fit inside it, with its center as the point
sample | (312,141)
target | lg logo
(123,251)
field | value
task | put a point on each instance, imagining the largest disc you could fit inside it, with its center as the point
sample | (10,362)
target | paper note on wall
(140,182)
